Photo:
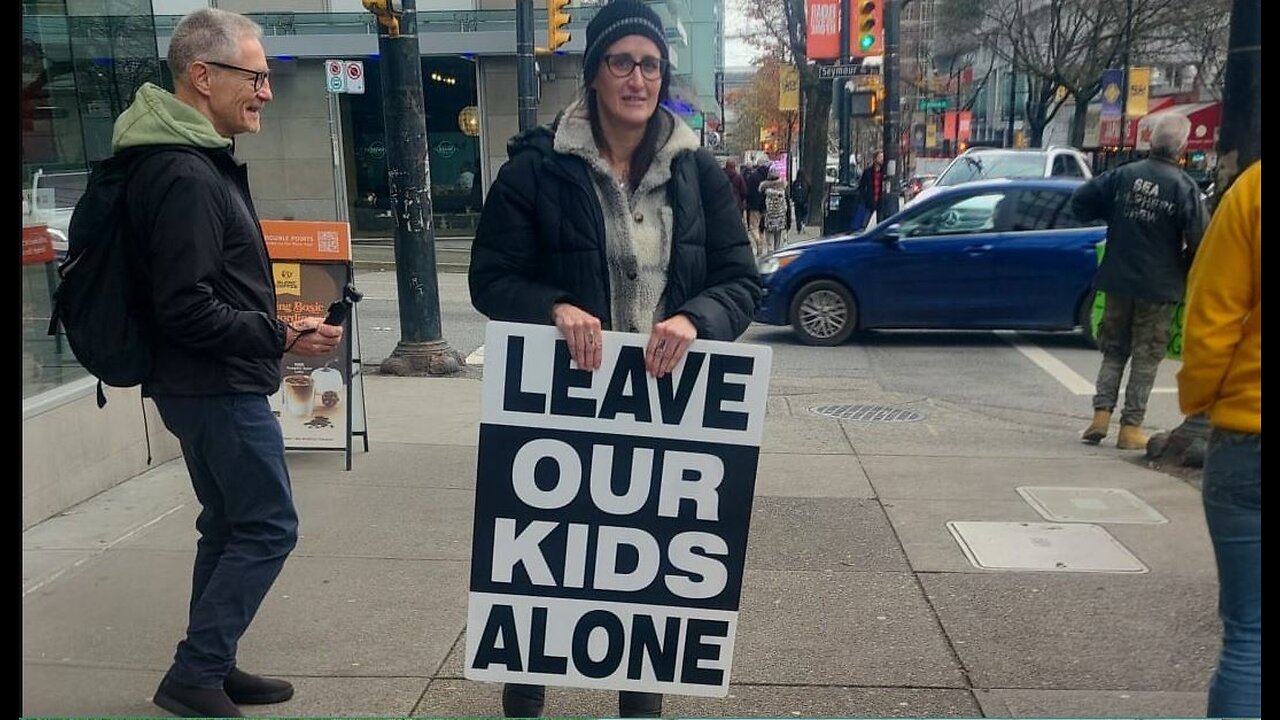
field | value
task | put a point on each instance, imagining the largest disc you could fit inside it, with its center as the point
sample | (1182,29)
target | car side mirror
(892,234)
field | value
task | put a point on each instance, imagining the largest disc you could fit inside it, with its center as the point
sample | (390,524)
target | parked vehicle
(997,254)
(981,163)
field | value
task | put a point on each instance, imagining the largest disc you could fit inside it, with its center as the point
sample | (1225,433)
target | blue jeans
(234,452)
(1233,509)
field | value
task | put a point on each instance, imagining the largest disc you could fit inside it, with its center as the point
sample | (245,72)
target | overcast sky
(736,52)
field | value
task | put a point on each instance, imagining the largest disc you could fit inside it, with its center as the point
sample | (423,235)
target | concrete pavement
(858,601)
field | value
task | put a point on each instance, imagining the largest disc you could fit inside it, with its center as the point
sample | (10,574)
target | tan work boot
(1098,428)
(1131,438)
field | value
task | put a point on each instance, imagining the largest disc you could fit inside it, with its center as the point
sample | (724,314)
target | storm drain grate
(868,413)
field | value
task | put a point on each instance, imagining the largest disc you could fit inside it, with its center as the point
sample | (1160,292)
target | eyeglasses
(621,66)
(260,77)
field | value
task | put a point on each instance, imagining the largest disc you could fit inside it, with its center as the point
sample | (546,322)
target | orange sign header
(305,240)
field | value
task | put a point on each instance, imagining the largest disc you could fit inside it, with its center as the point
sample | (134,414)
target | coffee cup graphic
(299,395)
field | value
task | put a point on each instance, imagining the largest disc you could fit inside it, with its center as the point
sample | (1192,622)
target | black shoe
(191,701)
(246,689)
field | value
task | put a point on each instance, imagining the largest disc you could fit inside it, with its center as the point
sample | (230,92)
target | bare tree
(779,30)
(1062,46)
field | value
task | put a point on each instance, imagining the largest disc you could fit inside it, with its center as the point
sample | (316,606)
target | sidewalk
(857,599)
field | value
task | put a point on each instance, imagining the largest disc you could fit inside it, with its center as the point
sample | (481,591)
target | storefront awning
(1205,119)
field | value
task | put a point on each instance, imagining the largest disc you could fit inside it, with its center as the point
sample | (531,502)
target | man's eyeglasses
(260,77)
(621,66)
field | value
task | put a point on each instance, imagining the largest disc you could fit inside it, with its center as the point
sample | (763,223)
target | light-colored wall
(291,159)
(75,450)
(499,121)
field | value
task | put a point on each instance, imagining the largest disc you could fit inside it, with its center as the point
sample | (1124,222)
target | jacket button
(639,217)
(632,274)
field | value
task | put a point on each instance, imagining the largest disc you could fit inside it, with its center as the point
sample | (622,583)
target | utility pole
(839,96)
(1013,100)
(421,349)
(1124,77)
(526,71)
(892,112)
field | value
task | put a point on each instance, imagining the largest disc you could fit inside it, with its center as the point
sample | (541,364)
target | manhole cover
(1070,547)
(1092,505)
(867,413)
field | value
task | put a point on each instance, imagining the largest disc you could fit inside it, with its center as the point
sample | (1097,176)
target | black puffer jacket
(541,241)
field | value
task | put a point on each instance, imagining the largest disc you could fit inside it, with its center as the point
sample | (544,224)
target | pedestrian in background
(800,201)
(755,203)
(217,344)
(738,184)
(870,188)
(668,256)
(1221,375)
(1155,219)
(775,210)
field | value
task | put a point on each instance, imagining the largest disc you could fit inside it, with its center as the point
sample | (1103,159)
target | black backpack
(101,302)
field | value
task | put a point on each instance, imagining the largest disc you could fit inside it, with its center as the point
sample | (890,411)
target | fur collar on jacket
(573,137)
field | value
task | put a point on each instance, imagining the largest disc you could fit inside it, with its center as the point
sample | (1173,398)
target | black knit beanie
(617,20)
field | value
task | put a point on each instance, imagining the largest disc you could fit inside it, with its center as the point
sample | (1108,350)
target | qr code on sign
(328,241)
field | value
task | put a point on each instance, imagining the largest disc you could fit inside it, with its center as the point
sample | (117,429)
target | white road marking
(476,358)
(1058,370)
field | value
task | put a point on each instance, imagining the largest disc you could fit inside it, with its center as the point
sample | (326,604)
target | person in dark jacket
(800,201)
(217,344)
(1155,219)
(613,218)
(737,183)
(870,189)
(755,203)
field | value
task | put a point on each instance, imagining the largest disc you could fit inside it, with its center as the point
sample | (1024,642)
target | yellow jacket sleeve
(1222,335)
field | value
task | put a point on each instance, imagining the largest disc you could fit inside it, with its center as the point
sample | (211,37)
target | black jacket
(867,186)
(541,241)
(212,290)
(1155,220)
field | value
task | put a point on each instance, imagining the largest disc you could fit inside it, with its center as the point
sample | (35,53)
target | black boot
(639,704)
(522,701)
(190,701)
(246,689)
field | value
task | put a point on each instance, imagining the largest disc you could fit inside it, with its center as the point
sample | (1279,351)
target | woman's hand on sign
(581,330)
(668,343)
(311,337)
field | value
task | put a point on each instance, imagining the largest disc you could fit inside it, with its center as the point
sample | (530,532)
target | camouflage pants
(1134,332)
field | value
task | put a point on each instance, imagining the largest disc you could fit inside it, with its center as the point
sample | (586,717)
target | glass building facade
(81,62)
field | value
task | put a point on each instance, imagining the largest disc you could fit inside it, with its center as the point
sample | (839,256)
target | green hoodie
(157,117)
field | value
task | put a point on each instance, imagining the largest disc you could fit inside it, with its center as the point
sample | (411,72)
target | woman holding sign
(613,218)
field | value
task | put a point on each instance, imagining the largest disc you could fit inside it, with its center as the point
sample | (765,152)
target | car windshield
(984,166)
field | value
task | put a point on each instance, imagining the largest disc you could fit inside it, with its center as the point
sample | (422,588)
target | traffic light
(868,28)
(557,19)
(388,13)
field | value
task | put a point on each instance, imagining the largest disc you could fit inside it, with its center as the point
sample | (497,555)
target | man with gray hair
(1155,219)
(207,297)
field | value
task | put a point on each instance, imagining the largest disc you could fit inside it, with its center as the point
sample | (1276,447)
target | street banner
(611,513)
(949,122)
(963,123)
(1111,92)
(788,88)
(931,134)
(310,262)
(1139,91)
(823,23)
(1109,131)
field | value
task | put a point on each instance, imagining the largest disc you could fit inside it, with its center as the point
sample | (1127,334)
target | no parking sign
(344,76)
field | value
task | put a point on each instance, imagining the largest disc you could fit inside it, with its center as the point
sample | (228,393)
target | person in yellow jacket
(1222,376)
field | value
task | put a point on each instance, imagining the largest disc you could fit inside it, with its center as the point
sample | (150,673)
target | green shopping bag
(1174,351)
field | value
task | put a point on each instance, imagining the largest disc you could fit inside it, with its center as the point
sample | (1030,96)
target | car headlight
(773,263)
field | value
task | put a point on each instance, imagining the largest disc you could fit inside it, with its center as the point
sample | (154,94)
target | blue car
(989,255)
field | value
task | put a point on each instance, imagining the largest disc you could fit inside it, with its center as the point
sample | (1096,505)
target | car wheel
(824,313)
(1085,319)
